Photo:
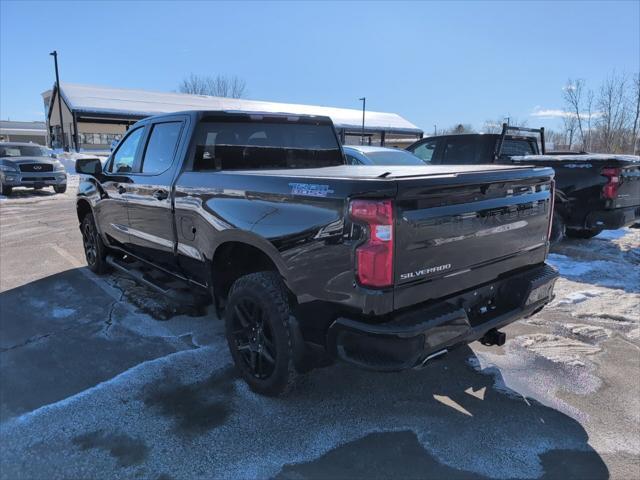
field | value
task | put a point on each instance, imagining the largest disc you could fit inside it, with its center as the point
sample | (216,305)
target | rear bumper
(27,179)
(413,336)
(613,219)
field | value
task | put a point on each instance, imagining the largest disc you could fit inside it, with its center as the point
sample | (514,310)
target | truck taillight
(610,189)
(374,258)
(553,205)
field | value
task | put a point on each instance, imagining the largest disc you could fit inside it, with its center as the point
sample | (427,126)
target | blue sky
(433,63)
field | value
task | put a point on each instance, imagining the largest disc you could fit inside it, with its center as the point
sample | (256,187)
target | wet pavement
(100,380)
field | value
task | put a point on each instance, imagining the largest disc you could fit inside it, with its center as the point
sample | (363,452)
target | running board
(133,270)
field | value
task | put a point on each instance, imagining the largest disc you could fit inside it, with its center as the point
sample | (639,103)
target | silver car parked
(29,165)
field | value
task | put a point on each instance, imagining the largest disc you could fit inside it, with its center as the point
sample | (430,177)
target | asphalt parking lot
(99,379)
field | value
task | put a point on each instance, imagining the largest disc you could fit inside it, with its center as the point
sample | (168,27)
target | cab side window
(425,150)
(124,157)
(460,150)
(161,147)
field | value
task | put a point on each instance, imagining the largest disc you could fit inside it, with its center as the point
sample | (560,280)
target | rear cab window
(264,144)
(518,146)
(161,147)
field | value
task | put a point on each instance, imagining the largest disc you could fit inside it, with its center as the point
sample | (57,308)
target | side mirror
(89,166)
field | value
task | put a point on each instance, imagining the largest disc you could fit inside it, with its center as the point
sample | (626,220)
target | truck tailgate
(468,230)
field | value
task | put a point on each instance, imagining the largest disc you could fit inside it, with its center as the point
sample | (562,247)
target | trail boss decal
(424,271)
(310,189)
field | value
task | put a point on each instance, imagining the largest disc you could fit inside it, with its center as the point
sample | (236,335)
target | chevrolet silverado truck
(593,192)
(29,165)
(308,259)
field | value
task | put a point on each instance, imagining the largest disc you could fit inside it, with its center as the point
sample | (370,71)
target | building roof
(129,103)
(9,127)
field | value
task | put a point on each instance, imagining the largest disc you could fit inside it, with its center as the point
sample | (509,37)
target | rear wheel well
(82,208)
(233,260)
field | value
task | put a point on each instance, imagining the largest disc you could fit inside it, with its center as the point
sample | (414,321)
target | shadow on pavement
(55,341)
(449,421)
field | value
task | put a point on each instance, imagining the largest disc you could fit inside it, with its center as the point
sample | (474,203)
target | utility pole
(64,139)
(435,130)
(364,104)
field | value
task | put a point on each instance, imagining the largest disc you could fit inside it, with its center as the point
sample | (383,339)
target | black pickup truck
(594,192)
(309,259)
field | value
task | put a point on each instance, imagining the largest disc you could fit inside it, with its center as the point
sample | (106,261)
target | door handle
(121,189)
(160,194)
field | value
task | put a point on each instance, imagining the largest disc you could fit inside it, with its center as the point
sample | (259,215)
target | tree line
(606,119)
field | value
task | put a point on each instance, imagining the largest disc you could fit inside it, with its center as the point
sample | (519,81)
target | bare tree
(570,124)
(635,99)
(572,95)
(495,126)
(218,86)
(614,114)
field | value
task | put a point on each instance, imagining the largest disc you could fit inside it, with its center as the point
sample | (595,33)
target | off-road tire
(583,233)
(60,188)
(267,291)
(558,229)
(95,250)
(4,190)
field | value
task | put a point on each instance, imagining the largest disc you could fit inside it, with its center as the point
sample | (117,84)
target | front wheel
(259,333)
(60,188)
(95,250)
(583,232)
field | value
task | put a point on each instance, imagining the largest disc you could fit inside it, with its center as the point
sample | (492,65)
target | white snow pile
(594,333)
(578,297)
(557,349)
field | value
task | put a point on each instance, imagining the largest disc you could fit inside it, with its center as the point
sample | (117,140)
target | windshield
(265,145)
(394,157)
(21,151)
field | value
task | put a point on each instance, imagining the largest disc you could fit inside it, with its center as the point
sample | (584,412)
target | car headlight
(57,166)
(8,168)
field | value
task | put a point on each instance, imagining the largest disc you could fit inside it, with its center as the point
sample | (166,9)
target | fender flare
(256,241)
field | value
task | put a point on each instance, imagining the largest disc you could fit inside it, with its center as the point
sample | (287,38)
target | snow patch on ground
(59,312)
(612,234)
(558,349)
(594,333)
(578,297)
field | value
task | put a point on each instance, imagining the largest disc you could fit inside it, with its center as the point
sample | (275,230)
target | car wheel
(95,250)
(4,190)
(583,232)
(259,332)
(558,229)
(60,188)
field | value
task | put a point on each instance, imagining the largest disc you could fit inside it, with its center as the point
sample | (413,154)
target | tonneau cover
(584,157)
(380,171)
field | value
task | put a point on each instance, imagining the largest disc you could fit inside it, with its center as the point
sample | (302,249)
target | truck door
(150,201)
(111,211)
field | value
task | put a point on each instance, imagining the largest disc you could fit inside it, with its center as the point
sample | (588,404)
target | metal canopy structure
(119,105)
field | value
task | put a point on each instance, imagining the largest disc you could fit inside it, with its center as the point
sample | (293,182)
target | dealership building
(30,132)
(92,116)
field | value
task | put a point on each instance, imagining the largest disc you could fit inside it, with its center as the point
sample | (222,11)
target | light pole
(64,140)
(364,104)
